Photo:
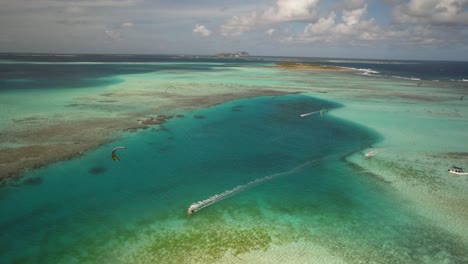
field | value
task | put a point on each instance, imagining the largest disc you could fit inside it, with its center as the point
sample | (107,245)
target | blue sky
(387,29)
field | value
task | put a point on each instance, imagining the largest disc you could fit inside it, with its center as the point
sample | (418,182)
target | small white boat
(457,171)
(371,153)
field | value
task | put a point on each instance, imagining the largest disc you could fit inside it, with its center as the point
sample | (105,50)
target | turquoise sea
(91,209)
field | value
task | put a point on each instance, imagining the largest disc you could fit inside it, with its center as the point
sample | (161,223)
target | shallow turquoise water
(92,209)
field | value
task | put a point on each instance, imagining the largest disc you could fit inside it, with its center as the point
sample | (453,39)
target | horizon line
(211,55)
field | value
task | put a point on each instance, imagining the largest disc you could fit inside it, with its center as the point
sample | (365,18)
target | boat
(457,171)
(371,153)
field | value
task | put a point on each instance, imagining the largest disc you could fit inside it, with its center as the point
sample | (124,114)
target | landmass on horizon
(233,54)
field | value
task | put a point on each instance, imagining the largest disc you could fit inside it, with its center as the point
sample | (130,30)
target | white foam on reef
(406,78)
(367,72)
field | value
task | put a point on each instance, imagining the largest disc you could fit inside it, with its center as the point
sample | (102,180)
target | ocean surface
(17,71)
(91,209)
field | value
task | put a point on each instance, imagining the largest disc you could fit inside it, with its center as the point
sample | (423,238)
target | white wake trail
(218,197)
(308,114)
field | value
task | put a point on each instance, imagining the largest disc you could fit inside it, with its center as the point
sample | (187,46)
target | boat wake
(308,114)
(219,197)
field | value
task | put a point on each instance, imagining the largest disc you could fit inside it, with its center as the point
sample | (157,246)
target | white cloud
(434,12)
(113,34)
(351,23)
(202,30)
(353,29)
(352,16)
(322,26)
(283,11)
(73,10)
(302,24)
(127,25)
(293,10)
(93,3)
(28,4)
(347,25)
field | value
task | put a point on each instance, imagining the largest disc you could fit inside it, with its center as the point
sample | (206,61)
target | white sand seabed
(424,131)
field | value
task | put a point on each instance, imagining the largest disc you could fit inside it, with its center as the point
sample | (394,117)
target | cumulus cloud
(292,10)
(283,11)
(201,30)
(73,10)
(349,24)
(353,12)
(127,25)
(113,34)
(322,26)
(434,12)
(73,4)
(93,3)
(353,28)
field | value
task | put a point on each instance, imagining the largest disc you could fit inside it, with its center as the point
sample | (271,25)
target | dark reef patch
(237,108)
(33,181)
(96,170)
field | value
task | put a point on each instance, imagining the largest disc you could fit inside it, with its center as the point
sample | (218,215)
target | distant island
(235,54)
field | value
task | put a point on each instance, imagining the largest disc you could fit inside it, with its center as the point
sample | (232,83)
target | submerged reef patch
(156,120)
(201,245)
(33,181)
(236,108)
(97,170)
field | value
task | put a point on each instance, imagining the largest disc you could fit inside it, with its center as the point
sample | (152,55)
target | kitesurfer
(114,155)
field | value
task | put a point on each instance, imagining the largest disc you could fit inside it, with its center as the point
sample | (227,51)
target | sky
(380,29)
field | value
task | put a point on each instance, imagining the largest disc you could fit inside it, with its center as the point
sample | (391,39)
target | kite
(114,155)
(324,110)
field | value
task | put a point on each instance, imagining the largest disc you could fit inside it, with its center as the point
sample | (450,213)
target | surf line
(219,197)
